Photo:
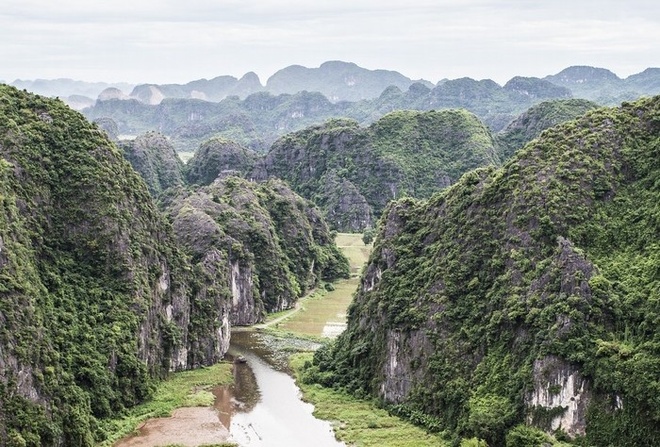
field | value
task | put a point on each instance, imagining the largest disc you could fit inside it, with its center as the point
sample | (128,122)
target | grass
(323,307)
(183,389)
(354,249)
(360,422)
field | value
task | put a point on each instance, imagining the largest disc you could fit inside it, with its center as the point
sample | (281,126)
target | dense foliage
(405,153)
(542,116)
(87,268)
(215,156)
(154,158)
(264,229)
(552,258)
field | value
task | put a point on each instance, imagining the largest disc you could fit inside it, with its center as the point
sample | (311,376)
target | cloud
(173,41)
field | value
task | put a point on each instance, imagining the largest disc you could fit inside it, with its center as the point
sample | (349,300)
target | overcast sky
(175,41)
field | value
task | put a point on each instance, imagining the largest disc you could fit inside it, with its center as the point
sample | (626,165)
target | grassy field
(360,422)
(183,389)
(354,249)
(323,313)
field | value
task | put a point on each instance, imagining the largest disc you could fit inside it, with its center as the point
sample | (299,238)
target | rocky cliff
(521,295)
(405,153)
(268,246)
(155,159)
(96,299)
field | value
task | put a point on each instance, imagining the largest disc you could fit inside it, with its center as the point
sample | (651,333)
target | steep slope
(270,246)
(526,294)
(542,116)
(405,153)
(95,298)
(154,158)
(215,156)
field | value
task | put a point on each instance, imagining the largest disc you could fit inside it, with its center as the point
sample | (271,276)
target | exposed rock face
(97,301)
(563,393)
(508,297)
(261,231)
(147,94)
(112,93)
(245,308)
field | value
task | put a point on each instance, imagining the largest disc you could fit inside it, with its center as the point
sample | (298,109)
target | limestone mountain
(154,158)
(96,299)
(259,119)
(405,153)
(213,90)
(538,118)
(269,245)
(522,299)
(604,87)
(217,155)
(336,80)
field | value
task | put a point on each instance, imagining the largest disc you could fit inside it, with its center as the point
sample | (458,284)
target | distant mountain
(604,87)
(336,80)
(258,120)
(64,88)
(245,111)
(213,90)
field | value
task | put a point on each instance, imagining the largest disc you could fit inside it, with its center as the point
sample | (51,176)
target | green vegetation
(351,173)
(359,422)
(275,238)
(182,389)
(83,250)
(155,159)
(553,256)
(538,118)
(215,156)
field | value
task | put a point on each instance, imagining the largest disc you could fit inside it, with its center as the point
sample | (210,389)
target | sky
(175,41)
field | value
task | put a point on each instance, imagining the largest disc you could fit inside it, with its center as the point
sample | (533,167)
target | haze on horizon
(175,42)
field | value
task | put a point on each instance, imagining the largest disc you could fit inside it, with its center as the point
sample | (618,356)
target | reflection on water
(263,408)
(242,396)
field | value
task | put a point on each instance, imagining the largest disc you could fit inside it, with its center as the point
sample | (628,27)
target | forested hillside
(352,172)
(536,119)
(522,295)
(274,244)
(98,298)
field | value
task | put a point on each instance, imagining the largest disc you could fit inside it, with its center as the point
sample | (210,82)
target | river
(263,407)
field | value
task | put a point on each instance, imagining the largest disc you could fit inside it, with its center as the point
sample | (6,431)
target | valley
(459,263)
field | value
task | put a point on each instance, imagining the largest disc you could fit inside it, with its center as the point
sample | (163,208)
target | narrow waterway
(263,407)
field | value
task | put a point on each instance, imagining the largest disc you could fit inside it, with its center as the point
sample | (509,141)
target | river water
(263,407)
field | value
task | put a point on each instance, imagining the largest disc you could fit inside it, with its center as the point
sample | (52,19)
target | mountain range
(340,81)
